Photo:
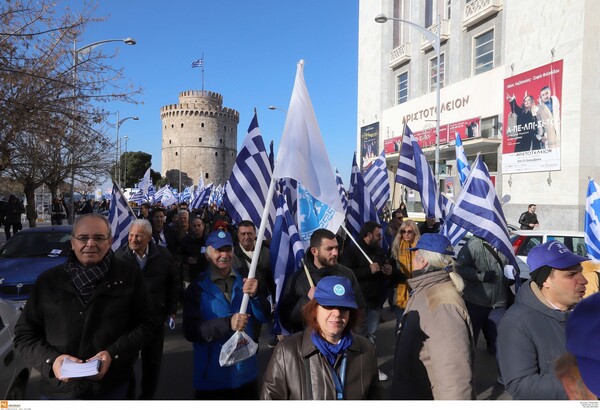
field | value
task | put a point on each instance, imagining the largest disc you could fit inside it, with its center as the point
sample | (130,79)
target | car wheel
(17,391)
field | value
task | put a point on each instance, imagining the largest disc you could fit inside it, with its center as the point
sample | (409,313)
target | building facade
(512,78)
(199,136)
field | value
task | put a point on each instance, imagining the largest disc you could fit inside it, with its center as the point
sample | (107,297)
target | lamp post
(76,51)
(118,145)
(435,41)
(126,138)
(273,108)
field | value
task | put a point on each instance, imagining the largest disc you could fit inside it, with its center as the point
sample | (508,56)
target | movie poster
(369,138)
(531,137)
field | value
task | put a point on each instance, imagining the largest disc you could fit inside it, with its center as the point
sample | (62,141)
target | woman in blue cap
(327,361)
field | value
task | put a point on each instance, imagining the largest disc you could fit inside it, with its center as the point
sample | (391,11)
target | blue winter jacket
(207,323)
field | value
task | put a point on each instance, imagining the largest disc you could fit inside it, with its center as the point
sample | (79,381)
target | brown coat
(288,377)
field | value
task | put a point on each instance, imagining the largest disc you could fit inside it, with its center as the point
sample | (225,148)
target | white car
(14,373)
(523,240)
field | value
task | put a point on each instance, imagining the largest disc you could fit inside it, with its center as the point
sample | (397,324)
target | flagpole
(121,192)
(259,240)
(202,73)
(356,243)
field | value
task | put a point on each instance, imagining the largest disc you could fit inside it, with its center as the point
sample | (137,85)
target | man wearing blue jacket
(210,318)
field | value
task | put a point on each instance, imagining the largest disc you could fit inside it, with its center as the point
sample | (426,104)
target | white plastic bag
(239,347)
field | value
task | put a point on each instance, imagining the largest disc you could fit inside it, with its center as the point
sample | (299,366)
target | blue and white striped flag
(247,187)
(415,173)
(286,253)
(378,183)
(201,199)
(159,194)
(151,193)
(168,198)
(478,210)
(199,63)
(461,161)
(120,217)
(360,206)
(592,221)
(341,189)
(451,231)
(289,188)
(186,195)
(138,197)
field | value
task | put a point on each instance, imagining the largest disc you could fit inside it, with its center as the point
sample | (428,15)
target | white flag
(145,182)
(302,156)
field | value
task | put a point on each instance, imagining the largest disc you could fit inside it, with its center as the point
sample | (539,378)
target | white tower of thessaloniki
(199,136)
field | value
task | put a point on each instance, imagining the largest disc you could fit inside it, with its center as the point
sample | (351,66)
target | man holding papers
(93,307)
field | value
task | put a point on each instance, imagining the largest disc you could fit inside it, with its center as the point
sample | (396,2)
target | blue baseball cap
(553,254)
(583,334)
(434,242)
(335,291)
(219,239)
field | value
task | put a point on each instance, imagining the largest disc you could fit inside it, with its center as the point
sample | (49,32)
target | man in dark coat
(94,306)
(321,260)
(164,286)
(191,250)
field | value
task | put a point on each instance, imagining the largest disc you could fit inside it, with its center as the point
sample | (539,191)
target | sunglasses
(402,231)
(342,309)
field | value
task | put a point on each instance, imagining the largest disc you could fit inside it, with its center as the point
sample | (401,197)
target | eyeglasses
(342,309)
(86,238)
(402,231)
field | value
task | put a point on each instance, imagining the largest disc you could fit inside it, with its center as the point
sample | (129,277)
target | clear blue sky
(250,50)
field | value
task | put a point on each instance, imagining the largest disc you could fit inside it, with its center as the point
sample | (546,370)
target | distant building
(199,136)
(490,50)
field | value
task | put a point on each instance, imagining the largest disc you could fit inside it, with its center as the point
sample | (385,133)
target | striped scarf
(85,279)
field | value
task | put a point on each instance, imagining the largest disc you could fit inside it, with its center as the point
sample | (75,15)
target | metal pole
(118,159)
(125,177)
(438,103)
(180,147)
(72,142)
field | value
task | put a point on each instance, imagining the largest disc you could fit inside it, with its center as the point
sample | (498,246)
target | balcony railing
(400,55)
(444,34)
(478,10)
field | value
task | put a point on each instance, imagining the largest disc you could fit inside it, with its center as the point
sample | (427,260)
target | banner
(369,144)
(532,120)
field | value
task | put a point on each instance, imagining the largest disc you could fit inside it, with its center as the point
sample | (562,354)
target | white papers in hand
(71,369)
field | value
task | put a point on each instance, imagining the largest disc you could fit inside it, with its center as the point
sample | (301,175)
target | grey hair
(436,261)
(183,211)
(144,224)
(81,218)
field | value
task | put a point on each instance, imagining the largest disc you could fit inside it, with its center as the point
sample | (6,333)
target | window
(216,154)
(401,31)
(433,72)
(435,7)
(402,87)
(489,127)
(202,125)
(206,175)
(176,153)
(199,139)
(483,53)
(181,125)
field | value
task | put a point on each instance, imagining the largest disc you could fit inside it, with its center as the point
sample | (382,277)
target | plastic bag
(239,347)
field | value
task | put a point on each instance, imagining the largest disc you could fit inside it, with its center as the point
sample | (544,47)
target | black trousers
(248,391)
(151,363)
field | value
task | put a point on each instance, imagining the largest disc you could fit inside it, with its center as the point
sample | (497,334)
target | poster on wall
(369,144)
(531,138)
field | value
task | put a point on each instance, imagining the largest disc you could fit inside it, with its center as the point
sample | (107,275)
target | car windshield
(37,244)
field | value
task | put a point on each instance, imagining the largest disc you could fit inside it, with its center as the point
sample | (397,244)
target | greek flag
(360,206)
(145,183)
(286,252)
(378,183)
(592,223)
(138,197)
(120,217)
(159,194)
(289,188)
(341,189)
(461,161)
(450,230)
(415,173)
(247,187)
(186,195)
(478,210)
(201,199)
(199,63)
(168,198)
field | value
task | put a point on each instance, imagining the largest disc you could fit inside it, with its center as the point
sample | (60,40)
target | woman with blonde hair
(407,237)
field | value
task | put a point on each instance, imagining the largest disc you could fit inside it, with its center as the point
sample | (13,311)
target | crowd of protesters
(196,262)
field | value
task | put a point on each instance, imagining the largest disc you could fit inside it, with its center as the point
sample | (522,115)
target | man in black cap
(531,336)
(435,352)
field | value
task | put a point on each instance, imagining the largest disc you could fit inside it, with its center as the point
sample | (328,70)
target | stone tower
(199,136)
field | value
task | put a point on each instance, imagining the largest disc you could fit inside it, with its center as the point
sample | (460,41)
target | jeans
(369,327)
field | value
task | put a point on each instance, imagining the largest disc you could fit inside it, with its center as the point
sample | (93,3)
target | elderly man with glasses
(84,310)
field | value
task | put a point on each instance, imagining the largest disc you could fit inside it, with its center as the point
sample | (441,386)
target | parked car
(14,373)
(26,255)
(524,241)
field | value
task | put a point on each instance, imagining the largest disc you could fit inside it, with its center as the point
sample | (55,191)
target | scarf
(331,351)
(85,279)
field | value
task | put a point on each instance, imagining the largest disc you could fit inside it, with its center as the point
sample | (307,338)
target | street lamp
(126,138)
(118,145)
(435,41)
(76,51)
(273,108)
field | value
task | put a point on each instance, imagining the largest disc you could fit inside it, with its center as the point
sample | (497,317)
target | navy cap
(434,242)
(583,334)
(219,239)
(335,291)
(553,254)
